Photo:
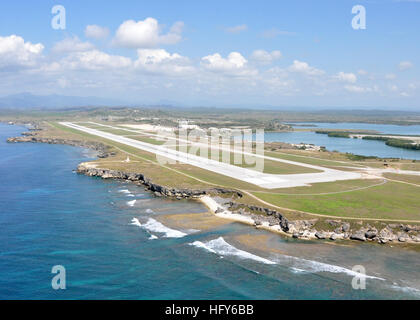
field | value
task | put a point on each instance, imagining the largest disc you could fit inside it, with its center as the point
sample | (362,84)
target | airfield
(302,184)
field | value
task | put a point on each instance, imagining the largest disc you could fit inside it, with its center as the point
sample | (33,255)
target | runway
(263,180)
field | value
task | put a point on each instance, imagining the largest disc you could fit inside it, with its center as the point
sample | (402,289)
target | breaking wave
(131,203)
(221,247)
(300,265)
(156,226)
(135,222)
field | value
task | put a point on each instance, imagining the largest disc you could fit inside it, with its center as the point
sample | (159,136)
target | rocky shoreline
(260,216)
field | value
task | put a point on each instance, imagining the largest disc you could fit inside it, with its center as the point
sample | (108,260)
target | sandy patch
(198,221)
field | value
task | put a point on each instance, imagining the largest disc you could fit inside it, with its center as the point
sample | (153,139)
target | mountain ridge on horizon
(27,100)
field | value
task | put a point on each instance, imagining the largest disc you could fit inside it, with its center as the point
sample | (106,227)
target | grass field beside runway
(404,177)
(388,201)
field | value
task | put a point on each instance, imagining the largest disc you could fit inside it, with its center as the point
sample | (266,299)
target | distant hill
(29,100)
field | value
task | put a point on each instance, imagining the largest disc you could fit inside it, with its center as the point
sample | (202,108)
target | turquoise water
(355,146)
(52,216)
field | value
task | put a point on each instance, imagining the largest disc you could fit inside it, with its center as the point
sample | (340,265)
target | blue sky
(221,53)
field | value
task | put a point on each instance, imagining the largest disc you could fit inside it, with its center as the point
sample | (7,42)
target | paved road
(264,180)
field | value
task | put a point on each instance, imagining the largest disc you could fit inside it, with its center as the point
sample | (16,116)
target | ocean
(113,244)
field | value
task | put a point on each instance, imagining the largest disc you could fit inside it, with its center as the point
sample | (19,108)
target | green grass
(308,159)
(327,187)
(388,201)
(403,177)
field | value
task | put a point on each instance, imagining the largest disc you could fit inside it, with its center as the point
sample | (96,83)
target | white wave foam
(190,231)
(153,237)
(135,222)
(131,203)
(149,211)
(220,246)
(156,226)
(410,290)
(297,270)
(130,195)
(124,191)
(300,265)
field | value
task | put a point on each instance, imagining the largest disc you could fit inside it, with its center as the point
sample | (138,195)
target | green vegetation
(403,177)
(339,135)
(400,143)
(357,157)
(394,142)
(388,201)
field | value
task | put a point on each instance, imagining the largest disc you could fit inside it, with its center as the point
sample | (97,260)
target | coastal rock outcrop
(97,146)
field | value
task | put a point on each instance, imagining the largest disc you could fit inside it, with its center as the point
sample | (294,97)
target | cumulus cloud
(73,44)
(305,68)
(146,34)
(264,57)
(15,52)
(96,32)
(95,60)
(237,29)
(235,64)
(161,61)
(346,77)
(405,65)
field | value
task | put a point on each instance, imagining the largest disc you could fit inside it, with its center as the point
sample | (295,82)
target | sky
(230,53)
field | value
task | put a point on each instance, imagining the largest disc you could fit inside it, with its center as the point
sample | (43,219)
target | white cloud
(72,45)
(146,34)
(15,52)
(161,61)
(362,72)
(405,65)
(95,60)
(237,29)
(264,57)
(358,89)
(96,32)
(346,77)
(215,62)
(303,67)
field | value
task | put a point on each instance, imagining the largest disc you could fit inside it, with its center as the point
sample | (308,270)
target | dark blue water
(51,216)
(355,146)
